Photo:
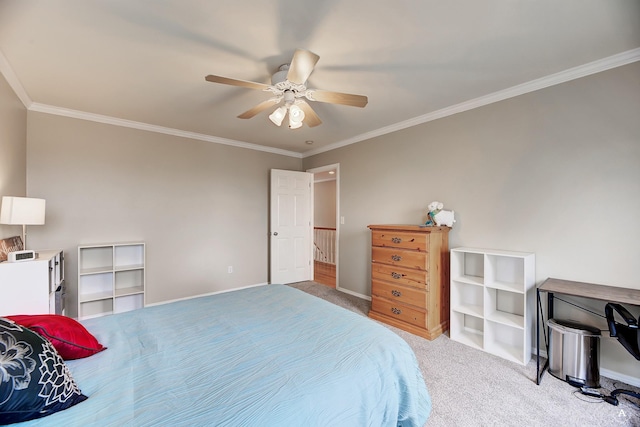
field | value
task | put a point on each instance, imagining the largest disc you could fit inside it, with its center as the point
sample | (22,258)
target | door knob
(275,233)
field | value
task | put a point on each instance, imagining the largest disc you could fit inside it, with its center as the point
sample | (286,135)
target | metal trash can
(574,353)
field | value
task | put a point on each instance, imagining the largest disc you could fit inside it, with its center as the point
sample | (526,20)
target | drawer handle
(396,311)
(396,239)
(396,275)
(396,257)
(396,293)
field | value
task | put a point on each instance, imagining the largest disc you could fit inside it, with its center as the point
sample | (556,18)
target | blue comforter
(263,356)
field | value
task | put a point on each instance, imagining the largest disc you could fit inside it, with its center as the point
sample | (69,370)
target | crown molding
(580,71)
(14,82)
(584,70)
(66,112)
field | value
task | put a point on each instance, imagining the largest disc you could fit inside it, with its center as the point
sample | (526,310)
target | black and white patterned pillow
(34,380)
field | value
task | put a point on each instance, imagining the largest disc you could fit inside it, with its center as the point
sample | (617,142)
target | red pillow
(69,337)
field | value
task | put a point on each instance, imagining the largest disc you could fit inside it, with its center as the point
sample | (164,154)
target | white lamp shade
(22,211)
(296,116)
(277,116)
(294,125)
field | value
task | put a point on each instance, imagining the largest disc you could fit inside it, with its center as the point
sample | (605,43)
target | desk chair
(628,335)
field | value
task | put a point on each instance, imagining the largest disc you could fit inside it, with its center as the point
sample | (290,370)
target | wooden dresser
(410,278)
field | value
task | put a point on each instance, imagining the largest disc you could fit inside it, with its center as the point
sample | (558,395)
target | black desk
(578,289)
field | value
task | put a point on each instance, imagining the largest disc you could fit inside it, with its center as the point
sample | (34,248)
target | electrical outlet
(230,269)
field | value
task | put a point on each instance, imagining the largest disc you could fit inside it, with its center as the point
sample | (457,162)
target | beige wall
(555,172)
(13,150)
(199,207)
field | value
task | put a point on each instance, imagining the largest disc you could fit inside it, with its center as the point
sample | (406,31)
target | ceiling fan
(288,84)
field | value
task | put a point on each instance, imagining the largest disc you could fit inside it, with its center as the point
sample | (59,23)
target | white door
(291,226)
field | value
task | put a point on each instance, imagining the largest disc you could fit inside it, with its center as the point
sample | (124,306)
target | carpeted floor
(469,387)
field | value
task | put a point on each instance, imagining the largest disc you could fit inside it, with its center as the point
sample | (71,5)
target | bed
(263,356)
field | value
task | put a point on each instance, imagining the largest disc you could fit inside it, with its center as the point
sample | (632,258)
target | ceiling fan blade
(236,82)
(259,108)
(301,66)
(338,98)
(310,116)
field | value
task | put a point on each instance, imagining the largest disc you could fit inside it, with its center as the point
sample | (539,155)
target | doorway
(326,191)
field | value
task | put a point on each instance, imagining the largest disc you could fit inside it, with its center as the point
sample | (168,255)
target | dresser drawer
(400,275)
(399,239)
(401,258)
(401,294)
(399,311)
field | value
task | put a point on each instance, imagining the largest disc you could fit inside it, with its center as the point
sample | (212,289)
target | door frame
(336,167)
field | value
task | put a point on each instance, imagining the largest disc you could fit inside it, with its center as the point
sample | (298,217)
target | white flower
(16,365)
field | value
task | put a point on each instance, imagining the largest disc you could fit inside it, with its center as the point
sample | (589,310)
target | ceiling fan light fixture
(294,125)
(296,116)
(278,115)
(288,84)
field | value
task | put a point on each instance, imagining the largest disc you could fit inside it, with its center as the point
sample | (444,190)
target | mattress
(263,356)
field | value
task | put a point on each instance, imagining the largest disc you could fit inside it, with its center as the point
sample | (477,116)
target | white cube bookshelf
(493,301)
(111,278)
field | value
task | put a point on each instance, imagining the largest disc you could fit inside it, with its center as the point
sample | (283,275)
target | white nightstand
(33,287)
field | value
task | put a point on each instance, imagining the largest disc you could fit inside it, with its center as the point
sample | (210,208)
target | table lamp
(22,211)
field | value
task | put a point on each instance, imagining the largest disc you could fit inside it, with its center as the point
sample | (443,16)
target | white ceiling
(142,63)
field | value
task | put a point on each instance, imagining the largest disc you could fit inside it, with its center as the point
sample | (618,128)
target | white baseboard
(204,295)
(543,353)
(618,376)
(346,291)
(627,379)
(355,294)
